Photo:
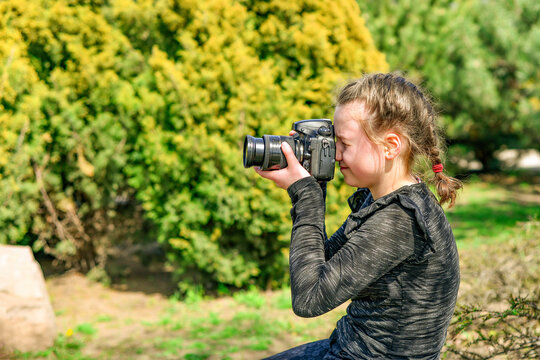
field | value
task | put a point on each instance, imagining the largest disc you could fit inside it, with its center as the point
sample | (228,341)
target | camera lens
(274,158)
(253,151)
(266,151)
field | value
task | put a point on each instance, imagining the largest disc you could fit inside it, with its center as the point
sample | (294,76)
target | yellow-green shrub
(154,98)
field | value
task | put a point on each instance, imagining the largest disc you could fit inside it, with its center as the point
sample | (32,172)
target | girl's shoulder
(417,202)
(415,196)
(411,207)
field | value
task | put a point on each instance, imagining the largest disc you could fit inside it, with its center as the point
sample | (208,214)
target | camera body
(313,145)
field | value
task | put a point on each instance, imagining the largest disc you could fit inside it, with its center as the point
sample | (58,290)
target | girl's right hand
(287,176)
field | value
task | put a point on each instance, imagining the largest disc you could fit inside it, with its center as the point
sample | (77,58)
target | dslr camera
(313,145)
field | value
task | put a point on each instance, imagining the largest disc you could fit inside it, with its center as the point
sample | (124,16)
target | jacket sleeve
(336,241)
(319,284)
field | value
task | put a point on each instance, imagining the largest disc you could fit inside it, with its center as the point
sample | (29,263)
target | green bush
(479,60)
(66,127)
(233,69)
(108,105)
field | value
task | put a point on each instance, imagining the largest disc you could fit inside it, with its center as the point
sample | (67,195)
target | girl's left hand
(287,176)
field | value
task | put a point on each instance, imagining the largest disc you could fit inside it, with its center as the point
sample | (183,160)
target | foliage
(512,332)
(66,134)
(479,60)
(233,69)
(110,108)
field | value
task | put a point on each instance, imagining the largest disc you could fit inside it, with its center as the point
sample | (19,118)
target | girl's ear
(392,146)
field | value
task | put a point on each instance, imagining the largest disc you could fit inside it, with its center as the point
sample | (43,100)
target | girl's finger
(288,152)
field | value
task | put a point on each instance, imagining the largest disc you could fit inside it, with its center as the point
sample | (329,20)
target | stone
(27,320)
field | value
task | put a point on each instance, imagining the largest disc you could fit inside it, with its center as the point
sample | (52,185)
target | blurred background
(121,132)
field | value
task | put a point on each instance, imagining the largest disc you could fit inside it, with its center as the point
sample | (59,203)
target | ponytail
(446,186)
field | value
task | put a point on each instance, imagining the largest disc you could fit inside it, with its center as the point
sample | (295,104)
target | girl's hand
(287,176)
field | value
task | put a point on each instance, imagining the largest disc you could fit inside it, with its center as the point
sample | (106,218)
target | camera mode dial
(324,131)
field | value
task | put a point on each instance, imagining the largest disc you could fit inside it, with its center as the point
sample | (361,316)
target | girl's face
(360,160)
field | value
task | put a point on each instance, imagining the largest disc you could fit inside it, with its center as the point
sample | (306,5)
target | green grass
(65,348)
(104,318)
(170,346)
(251,298)
(490,214)
(283,299)
(86,329)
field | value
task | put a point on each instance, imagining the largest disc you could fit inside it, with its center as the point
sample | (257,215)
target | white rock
(27,320)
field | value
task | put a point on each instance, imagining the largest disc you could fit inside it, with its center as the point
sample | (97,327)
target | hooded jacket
(395,258)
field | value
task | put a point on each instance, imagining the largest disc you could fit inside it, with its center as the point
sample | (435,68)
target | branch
(61,231)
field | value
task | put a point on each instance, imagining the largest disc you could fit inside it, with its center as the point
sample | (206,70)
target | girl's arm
(336,241)
(381,243)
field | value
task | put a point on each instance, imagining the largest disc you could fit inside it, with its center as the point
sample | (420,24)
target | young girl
(395,256)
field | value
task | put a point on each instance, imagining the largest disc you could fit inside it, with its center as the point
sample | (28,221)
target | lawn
(487,213)
(498,234)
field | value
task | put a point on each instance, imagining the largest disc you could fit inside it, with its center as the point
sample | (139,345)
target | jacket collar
(416,197)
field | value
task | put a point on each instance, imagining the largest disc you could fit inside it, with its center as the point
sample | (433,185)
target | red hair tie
(437,168)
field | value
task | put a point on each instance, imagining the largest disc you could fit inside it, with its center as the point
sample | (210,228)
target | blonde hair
(395,103)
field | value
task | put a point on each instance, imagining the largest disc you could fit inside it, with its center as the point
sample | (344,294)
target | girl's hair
(395,103)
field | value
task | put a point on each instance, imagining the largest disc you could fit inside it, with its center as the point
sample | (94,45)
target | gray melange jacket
(395,258)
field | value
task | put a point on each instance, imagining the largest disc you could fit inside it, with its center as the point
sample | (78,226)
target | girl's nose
(338,154)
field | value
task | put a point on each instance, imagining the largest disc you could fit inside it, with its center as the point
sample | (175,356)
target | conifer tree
(480,61)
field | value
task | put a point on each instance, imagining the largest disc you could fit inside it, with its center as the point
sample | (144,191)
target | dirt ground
(77,300)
